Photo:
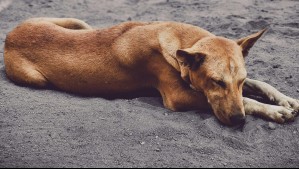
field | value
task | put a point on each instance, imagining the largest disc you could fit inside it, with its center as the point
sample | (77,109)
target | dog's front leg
(258,88)
(178,97)
(276,113)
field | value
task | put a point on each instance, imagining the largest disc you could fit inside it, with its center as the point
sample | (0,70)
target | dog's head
(217,68)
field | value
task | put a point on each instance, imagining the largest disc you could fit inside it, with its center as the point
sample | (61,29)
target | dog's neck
(180,67)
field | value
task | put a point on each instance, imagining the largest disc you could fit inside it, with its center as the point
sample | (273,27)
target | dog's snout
(237,119)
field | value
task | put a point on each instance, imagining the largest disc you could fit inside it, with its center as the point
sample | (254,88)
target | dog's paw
(289,103)
(281,114)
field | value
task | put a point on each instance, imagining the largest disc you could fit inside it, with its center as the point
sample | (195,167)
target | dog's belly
(90,77)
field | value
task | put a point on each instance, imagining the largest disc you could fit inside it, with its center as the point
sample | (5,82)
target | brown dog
(191,68)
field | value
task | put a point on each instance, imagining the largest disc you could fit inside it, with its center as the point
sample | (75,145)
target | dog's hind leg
(258,88)
(23,72)
(276,113)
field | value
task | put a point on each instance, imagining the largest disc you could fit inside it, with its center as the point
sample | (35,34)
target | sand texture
(49,128)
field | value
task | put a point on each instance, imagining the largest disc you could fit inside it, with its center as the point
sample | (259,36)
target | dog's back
(40,52)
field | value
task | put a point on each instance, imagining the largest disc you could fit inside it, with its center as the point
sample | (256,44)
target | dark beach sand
(48,128)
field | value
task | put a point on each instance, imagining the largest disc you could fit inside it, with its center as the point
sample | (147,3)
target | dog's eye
(220,83)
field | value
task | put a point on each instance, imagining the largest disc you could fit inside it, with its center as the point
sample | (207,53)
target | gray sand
(48,128)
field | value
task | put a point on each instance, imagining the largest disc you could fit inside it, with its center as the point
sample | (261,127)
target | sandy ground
(47,128)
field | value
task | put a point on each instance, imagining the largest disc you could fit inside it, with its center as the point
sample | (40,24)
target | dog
(192,68)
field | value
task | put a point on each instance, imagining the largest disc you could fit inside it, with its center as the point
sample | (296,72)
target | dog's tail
(68,23)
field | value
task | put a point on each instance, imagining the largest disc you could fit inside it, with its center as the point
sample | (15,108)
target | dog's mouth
(227,118)
(221,115)
(235,121)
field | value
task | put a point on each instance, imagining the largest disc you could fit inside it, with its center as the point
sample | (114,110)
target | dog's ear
(247,42)
(191,59)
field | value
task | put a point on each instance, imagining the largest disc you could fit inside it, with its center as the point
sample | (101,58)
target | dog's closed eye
(220,83)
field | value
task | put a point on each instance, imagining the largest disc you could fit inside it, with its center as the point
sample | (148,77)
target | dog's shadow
(141,94)
(150,97)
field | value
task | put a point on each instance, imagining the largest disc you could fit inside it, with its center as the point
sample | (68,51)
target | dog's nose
(238,119)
